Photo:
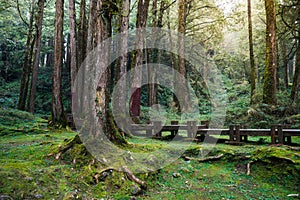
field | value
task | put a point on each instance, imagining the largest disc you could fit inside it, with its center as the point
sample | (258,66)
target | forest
(149,99)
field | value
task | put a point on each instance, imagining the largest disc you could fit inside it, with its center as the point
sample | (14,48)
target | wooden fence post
(237,133)
(149,131)
(189,129)
(173,133)
(157,125)
(273,132)
(280,135)
(194,128)
(231,133)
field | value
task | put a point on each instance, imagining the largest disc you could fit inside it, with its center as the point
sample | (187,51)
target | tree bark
(269,88)
(251,54)
(180,83)
(121,66)
(36,63)
(26,65)
(296,79)
(49,57)
(135,101)
(285,64)
(58,117)
(82,33)
(73,49)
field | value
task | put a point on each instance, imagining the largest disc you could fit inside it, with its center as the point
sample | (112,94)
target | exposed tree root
(75,140)
(132,177)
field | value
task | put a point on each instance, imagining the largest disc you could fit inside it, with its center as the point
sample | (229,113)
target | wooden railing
(279,134)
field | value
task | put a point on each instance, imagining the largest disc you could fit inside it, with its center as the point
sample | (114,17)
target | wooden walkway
(279,134)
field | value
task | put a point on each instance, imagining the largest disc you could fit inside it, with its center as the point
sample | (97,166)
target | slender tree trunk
(135,100)
(57,115)
(269,88)
(49,57)
(296,79)
(285,64)
(73,49)
(36,63)
(251,54)
(152,88)
(26,66)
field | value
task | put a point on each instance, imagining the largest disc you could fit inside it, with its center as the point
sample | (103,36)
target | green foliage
(9,94)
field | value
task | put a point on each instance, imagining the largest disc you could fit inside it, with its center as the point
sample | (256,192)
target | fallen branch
(186,158)
(211,158)
(132,177)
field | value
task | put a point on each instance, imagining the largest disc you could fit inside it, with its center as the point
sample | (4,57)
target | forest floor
(28,171)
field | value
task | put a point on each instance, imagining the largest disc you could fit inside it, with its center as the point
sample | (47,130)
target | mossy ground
(27,171)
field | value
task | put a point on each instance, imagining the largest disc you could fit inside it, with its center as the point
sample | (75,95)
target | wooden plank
(291,132)
(213,132)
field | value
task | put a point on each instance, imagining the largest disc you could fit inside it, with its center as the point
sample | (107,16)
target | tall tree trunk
(73,49)
(269,88)
(251,54)
(49,57)
(152,88)
(27,60)
(296,79)
(285,59)
(180,83)
(36,63)
(135,101)
(82,48)
(121,66)
(58,117)
(82,33)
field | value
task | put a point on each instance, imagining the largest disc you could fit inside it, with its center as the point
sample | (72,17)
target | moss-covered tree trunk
(251,54)
(270,88)
(58,117)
